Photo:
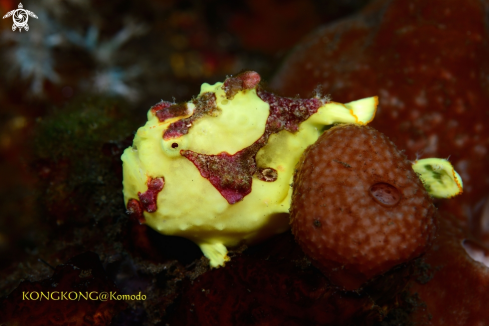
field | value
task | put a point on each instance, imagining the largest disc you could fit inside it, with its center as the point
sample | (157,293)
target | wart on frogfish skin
(243,81)
(205,104)
(135,210)
(267,174)
(167,110)
(148,198)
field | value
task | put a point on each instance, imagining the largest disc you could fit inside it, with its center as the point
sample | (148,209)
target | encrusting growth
(358,208)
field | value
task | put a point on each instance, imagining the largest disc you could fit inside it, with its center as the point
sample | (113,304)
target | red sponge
(358,209)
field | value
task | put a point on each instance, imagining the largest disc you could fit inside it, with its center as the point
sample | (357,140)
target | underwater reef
(69,227)
(434,101)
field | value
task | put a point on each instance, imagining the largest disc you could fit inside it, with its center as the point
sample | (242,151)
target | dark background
(131,54)
(77,85)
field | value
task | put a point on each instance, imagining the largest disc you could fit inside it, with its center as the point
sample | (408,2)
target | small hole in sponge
(316,223)
(174,145)
(385,194)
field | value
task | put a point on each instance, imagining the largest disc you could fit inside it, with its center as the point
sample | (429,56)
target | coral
(105,52)
(456,291)
(82,274)
(290,21)
(115,81)
(434,99)
(433,91)
(358,209)
(78,175)
(32,57)
(275,284)
(109,79)
(79,168)
(227,158)
(74,161)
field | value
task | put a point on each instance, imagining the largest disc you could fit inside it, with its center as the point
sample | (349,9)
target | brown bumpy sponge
(358,208)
